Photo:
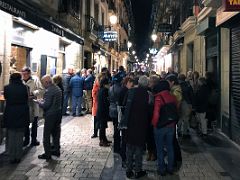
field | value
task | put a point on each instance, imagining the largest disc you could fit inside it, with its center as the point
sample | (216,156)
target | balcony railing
(91,25)
(123,47)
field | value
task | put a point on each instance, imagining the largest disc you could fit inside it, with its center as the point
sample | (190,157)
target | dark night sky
(142,13)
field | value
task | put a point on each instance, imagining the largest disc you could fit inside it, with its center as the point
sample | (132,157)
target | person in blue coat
(76,86)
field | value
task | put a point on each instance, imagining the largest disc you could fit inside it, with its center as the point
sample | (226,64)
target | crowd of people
(148,111)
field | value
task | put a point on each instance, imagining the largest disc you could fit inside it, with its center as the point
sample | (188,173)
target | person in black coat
(16,115)
(201,105)
(103,111)
(137,116)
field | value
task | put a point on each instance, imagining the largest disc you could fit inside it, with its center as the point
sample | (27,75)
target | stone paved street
(82,158)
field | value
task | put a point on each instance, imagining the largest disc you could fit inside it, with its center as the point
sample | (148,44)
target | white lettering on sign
(110,36)
(12,9)
(57,30)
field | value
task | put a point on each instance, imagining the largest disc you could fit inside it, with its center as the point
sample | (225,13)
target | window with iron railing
(70,6)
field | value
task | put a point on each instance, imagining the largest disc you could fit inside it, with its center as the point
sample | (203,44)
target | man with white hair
(52,107)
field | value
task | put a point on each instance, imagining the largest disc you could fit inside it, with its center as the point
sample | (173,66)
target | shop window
(20,57)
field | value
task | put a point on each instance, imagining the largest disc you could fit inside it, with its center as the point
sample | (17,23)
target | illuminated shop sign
(231,5)
(110,36)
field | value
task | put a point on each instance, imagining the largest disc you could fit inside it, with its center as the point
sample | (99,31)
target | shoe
(35,143)
(107,141)
(65,114)
(55,153)
(170,172)
(162,173)
(94,136)
(130,174)
(44,156)
(73,115)
(25,143)
(104,144)
(140,174)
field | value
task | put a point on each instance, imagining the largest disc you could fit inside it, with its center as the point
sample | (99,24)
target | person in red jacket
(164,134)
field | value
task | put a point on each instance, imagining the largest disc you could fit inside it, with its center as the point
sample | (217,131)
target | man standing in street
(89,80)
(52,106)
(66,89)
(76,85)
(36,91)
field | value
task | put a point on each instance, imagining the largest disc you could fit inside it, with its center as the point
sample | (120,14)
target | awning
(18,10)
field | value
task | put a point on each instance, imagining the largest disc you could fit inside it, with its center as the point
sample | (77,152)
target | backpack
(168,114)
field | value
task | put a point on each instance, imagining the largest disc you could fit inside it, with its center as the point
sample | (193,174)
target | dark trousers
(15,143)
(33,131)
(116,136)
(151,145)
(102,134)
(65,102)
(137,152)
(123,145)
(52,127)
(95,126)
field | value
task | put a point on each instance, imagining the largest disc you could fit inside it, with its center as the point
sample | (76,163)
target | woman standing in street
(16,115)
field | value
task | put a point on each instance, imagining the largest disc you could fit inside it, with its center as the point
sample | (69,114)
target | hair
(104,69)
(143,81)
(26,69)
(195,73)
(182,77)
(162,85)
(16,76)
(202,80)
(47,78)
(90,71)
(121,68)
(172,78)
(126,80)
(57,79)
(104,82)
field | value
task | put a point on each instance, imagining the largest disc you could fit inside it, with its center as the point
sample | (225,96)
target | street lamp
(154,37)
(129,44)
(113,19)
(134,52)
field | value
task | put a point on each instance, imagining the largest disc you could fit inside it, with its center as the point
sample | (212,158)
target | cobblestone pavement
(82,158)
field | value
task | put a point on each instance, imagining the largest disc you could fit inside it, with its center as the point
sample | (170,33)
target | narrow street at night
(82,158)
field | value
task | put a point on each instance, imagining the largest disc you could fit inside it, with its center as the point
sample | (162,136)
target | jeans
(33,133)
(65,102)
(137,152)
(76,105)
(165,136)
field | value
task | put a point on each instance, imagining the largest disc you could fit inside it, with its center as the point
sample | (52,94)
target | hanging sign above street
(110,36)
(231,5)
(164,27)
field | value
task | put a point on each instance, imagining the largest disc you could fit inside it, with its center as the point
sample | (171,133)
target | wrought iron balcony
(123,47)
(91,25)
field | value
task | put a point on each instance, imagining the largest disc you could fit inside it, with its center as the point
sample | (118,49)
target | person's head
(26,73)
(70,70)
(153,80)
(78,72)
(57,79)
(121,68)
(170,69)
(195,75)
(163,75)
(131,75)
(104,69)
(135,81)
(143,81)
(89,71)
(182,77)
(46,81)
(153,73)
(128,82)
(189,75)
(202,81)
(162,85)
(84,72)
(16,76)
(172,80)
(114,72)
(104,83)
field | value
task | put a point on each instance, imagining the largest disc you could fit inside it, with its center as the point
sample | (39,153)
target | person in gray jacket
(52,107)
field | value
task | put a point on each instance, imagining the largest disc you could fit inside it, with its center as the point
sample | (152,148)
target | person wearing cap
(16,115)
(36,91)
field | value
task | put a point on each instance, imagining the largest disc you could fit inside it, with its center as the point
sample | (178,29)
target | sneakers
(94,136)
(104,144)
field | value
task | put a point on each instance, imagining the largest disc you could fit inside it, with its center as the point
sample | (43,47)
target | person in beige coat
(36,91)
